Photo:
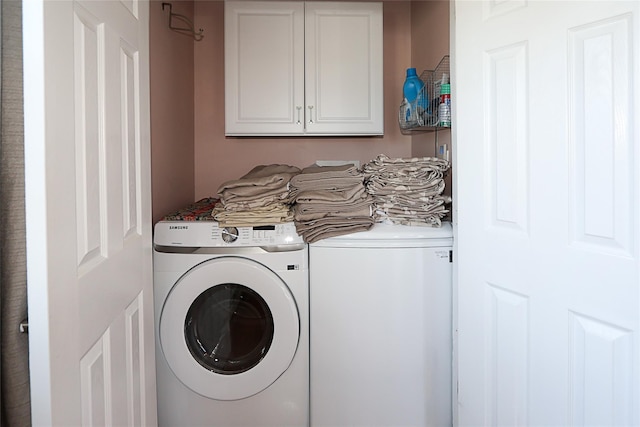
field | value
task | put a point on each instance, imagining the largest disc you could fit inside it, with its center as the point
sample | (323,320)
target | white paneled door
(547,133)
(88,212)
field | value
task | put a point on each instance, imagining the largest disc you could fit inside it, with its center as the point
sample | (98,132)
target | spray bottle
(444,108)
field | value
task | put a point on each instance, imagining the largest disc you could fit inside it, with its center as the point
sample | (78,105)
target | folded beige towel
(331,196)
(327,176)
(313,231)
(259,180)
(303,213)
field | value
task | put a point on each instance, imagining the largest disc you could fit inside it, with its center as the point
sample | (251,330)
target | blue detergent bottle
(415,96)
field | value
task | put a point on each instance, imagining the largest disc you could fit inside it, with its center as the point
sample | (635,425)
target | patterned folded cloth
(401,166)
(198,211)
(381,188)
(408,191)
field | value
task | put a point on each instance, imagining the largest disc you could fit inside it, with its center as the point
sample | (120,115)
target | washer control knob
(229,234)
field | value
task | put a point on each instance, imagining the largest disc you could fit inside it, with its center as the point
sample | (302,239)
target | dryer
(381,328)
(232,320)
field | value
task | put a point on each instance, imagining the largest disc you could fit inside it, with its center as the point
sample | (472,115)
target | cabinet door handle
(299,109)
(310,107)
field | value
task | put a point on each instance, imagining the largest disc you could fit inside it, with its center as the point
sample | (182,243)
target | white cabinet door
(266,89)
(264,68)
(546,110)
(343,68)
(88,213)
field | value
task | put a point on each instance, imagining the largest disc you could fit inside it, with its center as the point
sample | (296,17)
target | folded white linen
(271,214)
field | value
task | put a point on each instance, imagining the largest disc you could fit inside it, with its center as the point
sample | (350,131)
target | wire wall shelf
(424,112)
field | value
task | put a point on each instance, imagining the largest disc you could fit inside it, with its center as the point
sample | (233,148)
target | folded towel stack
(408,191)
(330,201)
(261,197)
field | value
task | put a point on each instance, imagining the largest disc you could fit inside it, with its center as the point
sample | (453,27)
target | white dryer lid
(388,236)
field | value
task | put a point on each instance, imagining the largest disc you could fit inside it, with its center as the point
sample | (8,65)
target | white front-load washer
(232,325)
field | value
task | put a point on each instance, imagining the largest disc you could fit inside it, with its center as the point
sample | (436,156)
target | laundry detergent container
(380,328)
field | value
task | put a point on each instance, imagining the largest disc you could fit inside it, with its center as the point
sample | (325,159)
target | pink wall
(172,113)
(219,158)
(430,36)
(191,156)
(429,32)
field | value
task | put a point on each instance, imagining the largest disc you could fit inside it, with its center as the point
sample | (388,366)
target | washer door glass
(229,328)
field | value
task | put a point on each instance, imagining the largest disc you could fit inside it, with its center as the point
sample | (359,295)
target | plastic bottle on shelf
(415,96)
(444,109)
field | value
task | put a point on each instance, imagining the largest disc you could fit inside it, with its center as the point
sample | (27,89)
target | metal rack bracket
(187,27)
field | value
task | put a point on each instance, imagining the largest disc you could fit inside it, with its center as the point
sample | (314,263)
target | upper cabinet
(303,68)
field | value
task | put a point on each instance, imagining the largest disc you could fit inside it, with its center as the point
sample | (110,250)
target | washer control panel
(210,234)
